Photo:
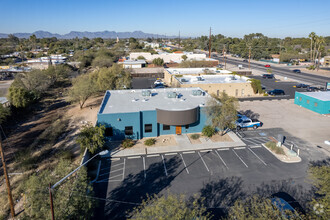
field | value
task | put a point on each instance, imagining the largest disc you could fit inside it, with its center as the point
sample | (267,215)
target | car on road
(276,92)
(296,71)
(245,61)
(301,85)
(268,76)
(267,65)
(220,65)
(312,89)
(248,123)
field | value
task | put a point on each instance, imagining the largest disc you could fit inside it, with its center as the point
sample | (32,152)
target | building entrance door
(178,130)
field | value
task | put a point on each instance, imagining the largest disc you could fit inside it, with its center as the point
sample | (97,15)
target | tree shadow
(250,114)
(135,188)
(219,195)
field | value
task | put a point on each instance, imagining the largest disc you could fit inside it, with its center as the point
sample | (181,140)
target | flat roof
(129,62)
(123,101)
(191,71)
(321,95)
(212,79)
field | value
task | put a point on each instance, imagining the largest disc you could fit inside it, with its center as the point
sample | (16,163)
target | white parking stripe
(252,141)
(124,168)
(257,156)
(239,148)
(184,163)
(103,174)
(168,154)
(118,164)
(105,181)
(144,167)
(223,149)
(240,158)
(188,152)
(135,157)
(257,146)
(164,165)
(153,155)
(203,161)
(221,159)
(115,176)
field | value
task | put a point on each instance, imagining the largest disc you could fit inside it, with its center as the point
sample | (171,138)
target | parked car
(220,65)
(245,61)
(159,86)
(296,71)
(268,76)
(267,65)
(301,85)
(276,92)
(312,89)
(248,123)
(158,81)
(287,205)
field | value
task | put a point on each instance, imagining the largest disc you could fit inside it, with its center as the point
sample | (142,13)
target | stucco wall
(316,105)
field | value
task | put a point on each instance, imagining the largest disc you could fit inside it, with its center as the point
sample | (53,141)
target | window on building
(187,126)
(108,132)
(166,127)
(242,92)
(315,104)
(129,130)
(307,101)
(148,128)
(218,92)
(236,92)
(300,99)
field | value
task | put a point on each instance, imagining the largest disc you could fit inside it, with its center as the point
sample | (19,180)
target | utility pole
(10,197)
(249,56)
(179,39)
(223,53)
(225,60)
(51,201)
(280,53)
(210,44)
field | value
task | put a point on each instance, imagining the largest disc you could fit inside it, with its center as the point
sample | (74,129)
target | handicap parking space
(111,170)
(255,140)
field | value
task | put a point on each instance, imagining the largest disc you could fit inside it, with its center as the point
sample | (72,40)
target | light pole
(64,178)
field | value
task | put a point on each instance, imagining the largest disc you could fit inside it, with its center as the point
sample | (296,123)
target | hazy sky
(235,18)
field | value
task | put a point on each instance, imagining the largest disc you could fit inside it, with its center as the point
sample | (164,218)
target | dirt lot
(300,122)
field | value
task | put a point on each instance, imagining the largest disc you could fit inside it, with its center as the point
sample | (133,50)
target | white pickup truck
(248,123)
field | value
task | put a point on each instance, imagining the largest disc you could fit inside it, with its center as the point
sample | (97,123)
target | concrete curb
(237,142)
(282,160)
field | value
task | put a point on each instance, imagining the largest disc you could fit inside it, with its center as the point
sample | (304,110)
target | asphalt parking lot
(216,174)
(143,82)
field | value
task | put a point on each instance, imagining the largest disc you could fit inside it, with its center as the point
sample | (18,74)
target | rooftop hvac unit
(199,78)
(197,92)
(184,80)
(146,93)
(171,95)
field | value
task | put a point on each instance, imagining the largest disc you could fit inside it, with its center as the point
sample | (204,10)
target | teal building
(316,101)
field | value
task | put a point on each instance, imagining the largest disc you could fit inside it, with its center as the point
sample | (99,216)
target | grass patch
(127,143)
(195,136)
(272,146)
(150,141)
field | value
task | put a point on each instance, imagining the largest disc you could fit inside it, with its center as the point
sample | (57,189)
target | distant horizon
(193,18)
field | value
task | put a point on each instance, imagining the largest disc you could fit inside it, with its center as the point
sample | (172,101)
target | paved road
(282,71)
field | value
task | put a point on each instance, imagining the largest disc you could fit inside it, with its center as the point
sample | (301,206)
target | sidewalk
(183,144)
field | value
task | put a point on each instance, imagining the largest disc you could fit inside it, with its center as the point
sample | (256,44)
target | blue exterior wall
(138,120)
(316,105)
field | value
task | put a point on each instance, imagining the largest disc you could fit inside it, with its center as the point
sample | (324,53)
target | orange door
(178,130)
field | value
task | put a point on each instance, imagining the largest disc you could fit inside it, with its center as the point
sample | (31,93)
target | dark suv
(276,92)
(268,76)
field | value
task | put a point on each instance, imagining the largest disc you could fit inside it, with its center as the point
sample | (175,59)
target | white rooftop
(123,101)
(321,95)
(191,71)
(130,62)
(212,79)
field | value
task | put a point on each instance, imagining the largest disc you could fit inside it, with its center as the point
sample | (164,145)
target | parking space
(255,140)
(186,164)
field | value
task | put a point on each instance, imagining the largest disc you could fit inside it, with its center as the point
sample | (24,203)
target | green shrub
(127,143)
(194,136)
(178,75)
(272,146)
(208,131)
(150,141)
(256,86)
(312,67)
(265,94)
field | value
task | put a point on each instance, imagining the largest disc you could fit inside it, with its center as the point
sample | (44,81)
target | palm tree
(321,42)
(312,37)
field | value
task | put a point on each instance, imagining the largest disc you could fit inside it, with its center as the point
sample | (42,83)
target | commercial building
(149,113)
(167,57)
(209,79)
(132,64)
(316,101)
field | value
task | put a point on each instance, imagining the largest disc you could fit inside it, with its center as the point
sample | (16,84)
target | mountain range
(79,34)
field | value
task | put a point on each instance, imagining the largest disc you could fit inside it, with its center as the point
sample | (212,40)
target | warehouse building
(137,114)
(316,101)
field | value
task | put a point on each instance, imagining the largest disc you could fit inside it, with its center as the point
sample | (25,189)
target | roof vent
(171,95)
(145,100)
(197,92)
(146,93)
(134,100)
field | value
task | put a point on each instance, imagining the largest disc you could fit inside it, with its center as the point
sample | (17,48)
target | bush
(208,131)
(194,136)
(127,143)
(265,94)
(256,86)
(150,141)
(272,146)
